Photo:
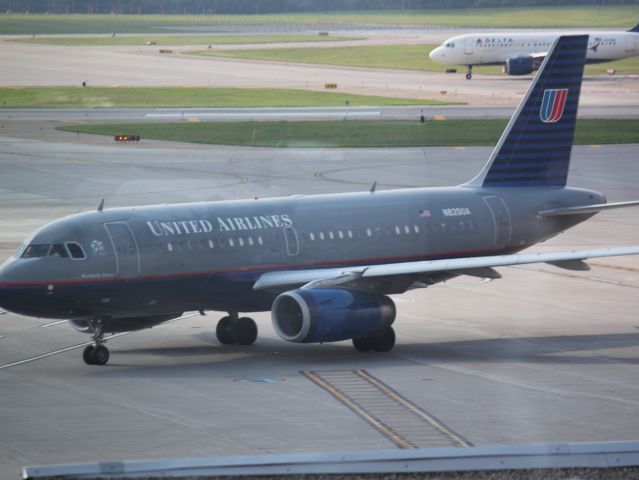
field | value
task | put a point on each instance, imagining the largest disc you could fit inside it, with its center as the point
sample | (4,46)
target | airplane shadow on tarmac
(271,354)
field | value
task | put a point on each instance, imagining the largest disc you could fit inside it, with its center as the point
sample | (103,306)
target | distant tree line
(270,6)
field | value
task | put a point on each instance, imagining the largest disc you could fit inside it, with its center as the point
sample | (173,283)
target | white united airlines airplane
(521,53)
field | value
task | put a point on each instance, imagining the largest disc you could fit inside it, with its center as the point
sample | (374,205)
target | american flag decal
(424,213)
(552,105)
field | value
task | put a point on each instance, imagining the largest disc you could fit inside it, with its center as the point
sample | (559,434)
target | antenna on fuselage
(101,206)
(374,186)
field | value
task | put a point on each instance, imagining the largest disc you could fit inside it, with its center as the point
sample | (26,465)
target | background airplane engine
(131,324)
(314,315)
(520,65)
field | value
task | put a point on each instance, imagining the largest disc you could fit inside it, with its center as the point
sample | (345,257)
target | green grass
(181,39)
(607,16)
(354,133)
(403,57)
(187,97)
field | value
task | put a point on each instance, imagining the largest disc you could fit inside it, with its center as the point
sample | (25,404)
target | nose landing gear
(469,72)
(96,354)
(232,330)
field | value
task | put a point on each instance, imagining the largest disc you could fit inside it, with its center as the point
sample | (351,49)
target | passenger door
(501,220)
(127,255)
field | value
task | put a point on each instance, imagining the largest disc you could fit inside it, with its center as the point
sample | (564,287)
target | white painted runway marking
(265,114)
(46,325)
(80,345)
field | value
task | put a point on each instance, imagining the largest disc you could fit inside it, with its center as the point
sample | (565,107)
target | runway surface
(541,355)
(51,65)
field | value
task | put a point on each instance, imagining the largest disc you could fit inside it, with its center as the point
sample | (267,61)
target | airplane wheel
(383,340)
(469,76)
(100,355)
(245,331)
(225,332)
(87,355)
(362,343)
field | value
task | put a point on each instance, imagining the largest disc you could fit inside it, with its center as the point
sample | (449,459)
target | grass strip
(355,133)
(187,97)
(604,16)
(172,40)
(403,57)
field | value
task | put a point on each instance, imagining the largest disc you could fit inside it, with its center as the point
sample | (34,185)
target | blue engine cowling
(520,65)
(312,315)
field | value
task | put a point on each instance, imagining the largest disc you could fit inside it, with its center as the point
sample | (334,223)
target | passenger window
(250,240)
(76,251)
(311,236)
(33,251)
(58,250)
(211,244)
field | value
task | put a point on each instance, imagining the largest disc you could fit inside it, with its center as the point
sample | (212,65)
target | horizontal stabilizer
(554,212)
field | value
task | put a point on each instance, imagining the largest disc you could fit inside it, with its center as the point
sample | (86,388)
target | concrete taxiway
(541,355)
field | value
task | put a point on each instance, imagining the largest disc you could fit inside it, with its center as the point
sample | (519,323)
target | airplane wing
(359,276)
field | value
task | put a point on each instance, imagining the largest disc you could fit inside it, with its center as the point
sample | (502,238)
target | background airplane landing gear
(232,330)
(382,340)
(469,73)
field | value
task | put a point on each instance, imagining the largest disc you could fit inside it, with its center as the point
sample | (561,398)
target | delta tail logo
(552,105)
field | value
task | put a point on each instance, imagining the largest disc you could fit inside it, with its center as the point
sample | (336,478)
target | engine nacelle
(520,65)
(312,315)
(131,324)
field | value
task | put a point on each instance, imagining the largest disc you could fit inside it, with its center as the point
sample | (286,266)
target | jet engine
(131,324)
(520,65)
(312,315)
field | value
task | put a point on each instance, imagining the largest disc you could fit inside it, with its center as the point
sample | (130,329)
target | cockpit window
(36,250)
(75,250)
(58,250)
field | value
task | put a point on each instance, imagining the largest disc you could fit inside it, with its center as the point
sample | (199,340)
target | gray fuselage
(206,256)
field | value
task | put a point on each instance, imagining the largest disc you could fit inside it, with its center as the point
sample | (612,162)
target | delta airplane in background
(521,53)
(324,265)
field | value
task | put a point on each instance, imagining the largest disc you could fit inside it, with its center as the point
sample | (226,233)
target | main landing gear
(469,72)
(232,330)
(382,340)
(96,354)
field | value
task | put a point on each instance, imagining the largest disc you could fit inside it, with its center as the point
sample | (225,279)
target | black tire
(100,355)
(383,340)
(245,331)
(88,355)
(362,343)
(469,76)
(225,331)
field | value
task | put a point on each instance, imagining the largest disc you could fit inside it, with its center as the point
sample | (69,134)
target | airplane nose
(431,55)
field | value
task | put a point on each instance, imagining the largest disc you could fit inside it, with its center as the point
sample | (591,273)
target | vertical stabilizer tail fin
(535,148)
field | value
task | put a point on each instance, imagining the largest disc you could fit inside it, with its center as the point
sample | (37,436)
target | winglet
(635,29)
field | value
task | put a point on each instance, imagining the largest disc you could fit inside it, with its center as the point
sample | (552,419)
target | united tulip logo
(552,105)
